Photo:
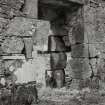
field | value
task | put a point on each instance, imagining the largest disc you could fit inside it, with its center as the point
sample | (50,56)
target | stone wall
(94,14)
(86,34)
(21,37)
(84,25)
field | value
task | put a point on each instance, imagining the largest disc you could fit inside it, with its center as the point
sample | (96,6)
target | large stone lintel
(77,1)
(62,2)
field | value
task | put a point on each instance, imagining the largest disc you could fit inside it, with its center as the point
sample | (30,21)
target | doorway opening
(63,18)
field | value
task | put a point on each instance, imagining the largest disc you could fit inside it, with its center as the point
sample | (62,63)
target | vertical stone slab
(28,47)
(77,47)
(31,8)
(42,33)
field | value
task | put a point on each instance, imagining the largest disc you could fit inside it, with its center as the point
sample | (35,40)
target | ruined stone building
(25,27)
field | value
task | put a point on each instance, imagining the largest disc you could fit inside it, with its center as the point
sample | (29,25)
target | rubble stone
(10,8)
(3,24)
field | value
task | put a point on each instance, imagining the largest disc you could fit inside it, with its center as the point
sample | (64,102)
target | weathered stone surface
(58,61)
(94,14)
(75,26)
(79,50)
(12,45)
(84,72)
(80,68)
(94,23)
(101,72)
(31,8)
(77,84)
(28,47)
(2,67)
(87,50)
(86,42)
(38,29)
(20,26)
(34,69)
(12,3)
(97,48)
(3,24)
(10,8)
(56,43)
(77,34)
(89,33)
(42,33)
(89,14)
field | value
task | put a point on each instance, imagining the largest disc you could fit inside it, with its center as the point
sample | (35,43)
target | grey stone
(77,51)
(3,24)
(31,8)
(58,60)
(80,68)
(37,29)
(78,34)
(87,50)
(10,8)
(20,26)
(42,33)
(28,47)
(12,45)
(89,14)
(89,33)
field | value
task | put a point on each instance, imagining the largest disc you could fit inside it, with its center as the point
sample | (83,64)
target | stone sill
(13,56)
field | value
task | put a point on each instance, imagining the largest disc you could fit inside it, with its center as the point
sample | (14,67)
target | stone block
(31,8)
(89,14)
(34,69)
(20,26)
(2,67)
(78,34)
(58,60)
(87,50)
(80,68)
(28,47)
(97,49)
(79,51)
(42,33)
(89,33)
(12,45)
(76,84)
(14,56)
(94,33)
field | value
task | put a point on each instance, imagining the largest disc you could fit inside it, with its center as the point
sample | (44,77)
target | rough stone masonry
(86,34)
